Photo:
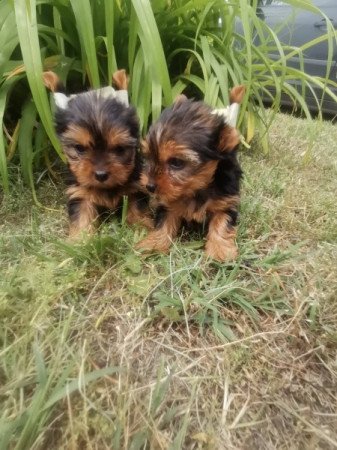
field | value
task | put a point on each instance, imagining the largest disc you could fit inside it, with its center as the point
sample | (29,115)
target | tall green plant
(166,47)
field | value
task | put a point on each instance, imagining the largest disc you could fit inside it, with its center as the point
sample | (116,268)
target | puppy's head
(99,135)
(182,150)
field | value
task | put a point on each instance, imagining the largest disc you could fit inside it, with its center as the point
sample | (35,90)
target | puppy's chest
(200,208)
(193,210)
(106,198)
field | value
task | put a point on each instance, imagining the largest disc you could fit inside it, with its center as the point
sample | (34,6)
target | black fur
(234,216)
(82,111)
(192,124)
(226,182)
(160,216)
(142,200)
(73,208)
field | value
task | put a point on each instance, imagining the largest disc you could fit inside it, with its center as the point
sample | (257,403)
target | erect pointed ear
(61,100)
(52,81)
(180,98)
(120,80)
(229,139)
(143,147)
(237,93)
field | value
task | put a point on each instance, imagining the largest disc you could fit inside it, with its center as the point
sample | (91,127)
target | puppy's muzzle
(151,187)
(101,175)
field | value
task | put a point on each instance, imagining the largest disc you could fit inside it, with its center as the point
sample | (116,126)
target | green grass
(102,347)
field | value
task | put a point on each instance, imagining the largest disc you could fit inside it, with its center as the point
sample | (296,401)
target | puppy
(192,170)
(99,133)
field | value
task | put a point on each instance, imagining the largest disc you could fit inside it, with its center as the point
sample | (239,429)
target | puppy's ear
(120,80)
(52,81)
(229,136)
(237,93)
(229,139)
(180,99)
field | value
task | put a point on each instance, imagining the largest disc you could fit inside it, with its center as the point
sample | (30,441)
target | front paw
(145,221)
(224,250)
(154,242)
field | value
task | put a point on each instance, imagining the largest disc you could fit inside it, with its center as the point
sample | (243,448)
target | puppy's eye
(79,148)
(119,150)
(176,163)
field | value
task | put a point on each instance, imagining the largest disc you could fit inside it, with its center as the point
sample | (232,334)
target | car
(295,27)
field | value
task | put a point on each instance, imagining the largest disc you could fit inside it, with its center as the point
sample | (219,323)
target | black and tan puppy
(99,133)
(191,167)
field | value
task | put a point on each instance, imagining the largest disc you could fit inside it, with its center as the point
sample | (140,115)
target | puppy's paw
(144,221)
(154,242)
(224,250)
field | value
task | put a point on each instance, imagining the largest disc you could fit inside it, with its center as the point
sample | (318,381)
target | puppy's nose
(101,175)
(151,187)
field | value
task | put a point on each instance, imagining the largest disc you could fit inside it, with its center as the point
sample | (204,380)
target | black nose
(151,187)
(101,175)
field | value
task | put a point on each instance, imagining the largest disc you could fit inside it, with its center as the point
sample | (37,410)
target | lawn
(105,348)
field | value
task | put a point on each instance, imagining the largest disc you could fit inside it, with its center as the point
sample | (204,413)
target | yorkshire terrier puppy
(99,133)
(192,170)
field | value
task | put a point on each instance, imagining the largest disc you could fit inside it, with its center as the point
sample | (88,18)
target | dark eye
(176,163)
(79,148)
(119,150)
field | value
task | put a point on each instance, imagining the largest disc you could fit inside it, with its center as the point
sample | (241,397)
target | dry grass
(199,355)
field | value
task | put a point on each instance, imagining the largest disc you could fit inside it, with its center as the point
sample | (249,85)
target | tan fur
(171,150)
(180,185)
(229,139)
(84,167)
(161,239)
(84,172)
(144,147)
(220,243)
(78,135)
(119,138)
(134,215)
(85,221)
(189,211)
(120,79)
(180,98)
(237,93)
(90,197)
(50,80)
(201,179)
(93,196)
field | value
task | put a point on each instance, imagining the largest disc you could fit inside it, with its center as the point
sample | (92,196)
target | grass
(104,348)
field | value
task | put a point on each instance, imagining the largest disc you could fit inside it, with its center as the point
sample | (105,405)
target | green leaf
(152,47)
(25,13)
(84,24)
(77,384)
(109,29)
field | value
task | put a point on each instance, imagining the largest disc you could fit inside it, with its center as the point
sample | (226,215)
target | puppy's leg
(166,228)
(220,244)
(138,210)
(82,215)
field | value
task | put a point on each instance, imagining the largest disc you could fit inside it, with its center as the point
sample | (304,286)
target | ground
(104,348)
